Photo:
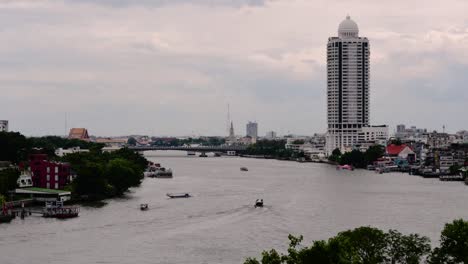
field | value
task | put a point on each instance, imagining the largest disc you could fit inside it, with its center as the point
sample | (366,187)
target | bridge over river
(202,149)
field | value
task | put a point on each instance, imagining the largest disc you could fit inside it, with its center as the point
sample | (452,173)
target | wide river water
(219,223)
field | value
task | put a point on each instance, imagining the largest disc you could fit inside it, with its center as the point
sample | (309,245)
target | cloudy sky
(170,67)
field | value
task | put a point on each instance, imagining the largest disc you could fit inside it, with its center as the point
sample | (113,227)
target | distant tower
(252,129)
(231,132)
(347,86)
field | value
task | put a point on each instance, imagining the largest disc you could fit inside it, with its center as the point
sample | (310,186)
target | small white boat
(143,207)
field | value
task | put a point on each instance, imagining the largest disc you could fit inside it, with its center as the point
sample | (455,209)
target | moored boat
(178,195)
(57,210)
(6,218)
(344,167)
(6,215)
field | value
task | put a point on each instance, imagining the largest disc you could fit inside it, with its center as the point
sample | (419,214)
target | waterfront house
(401,152)
(48,174)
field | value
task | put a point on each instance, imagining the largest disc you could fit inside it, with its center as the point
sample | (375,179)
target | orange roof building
(78,133)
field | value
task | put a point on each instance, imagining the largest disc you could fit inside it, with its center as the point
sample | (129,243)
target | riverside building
(348,90)
(3,125)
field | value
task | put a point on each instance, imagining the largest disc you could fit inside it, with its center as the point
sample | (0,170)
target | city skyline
(160,68)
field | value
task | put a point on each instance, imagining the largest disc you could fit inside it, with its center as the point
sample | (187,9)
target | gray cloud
(171,67)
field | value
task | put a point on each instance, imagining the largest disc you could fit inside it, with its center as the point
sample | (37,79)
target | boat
(191,153)
(6,215)
(178,195)
(344,167)
(244,169)
(259,203)
(143,207)
(160,172)
(6,218)
(203,155)
(57,210)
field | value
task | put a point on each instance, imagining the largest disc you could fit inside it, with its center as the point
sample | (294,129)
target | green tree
(8,178)
(131,141)
(453,244)
(335,156)
(366,244)
(2,200)
(90,182)
(407,249)
(373,153)
(13,147)
(355,158)
(122,174)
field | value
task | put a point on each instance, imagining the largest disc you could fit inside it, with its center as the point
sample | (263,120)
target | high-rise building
(3,125)
(270,135)
(252,129)
(347,86)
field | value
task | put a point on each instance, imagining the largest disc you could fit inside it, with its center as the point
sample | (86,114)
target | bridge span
(202,149)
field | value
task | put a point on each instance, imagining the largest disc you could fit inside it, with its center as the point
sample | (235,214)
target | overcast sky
(170,67)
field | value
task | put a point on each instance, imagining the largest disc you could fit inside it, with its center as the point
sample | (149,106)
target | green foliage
(363,245)
(14,147)
(406,249)
(453,244)
(49,144)
(298,142)
(373,153)
(454,169)
(335,156)
(101,175)
(396,142)
(8,178)
(122,174)
(2,200)
(131,141)
(272,148)
(355,158)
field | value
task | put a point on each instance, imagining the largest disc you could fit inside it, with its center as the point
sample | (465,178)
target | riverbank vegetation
(97,175)
(273,149)
(104,175)
(370,245)
(357,158)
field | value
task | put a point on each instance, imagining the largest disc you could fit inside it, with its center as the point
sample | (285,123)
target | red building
(48,174)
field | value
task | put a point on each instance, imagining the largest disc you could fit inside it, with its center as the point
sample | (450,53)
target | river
(219,223)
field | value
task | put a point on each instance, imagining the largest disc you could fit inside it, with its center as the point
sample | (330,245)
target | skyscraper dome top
(348,28)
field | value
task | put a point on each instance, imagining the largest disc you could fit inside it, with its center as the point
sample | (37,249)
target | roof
(393,149)
(111,140)
(78,133)
(348,28)
(40,190)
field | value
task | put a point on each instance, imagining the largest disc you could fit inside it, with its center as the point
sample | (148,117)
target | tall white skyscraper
(252,129)
(347,86)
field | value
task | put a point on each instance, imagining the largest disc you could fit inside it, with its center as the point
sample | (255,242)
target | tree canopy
(363,245)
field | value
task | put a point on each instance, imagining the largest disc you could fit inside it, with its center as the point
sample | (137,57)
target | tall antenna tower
(228,121)
(66,125)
